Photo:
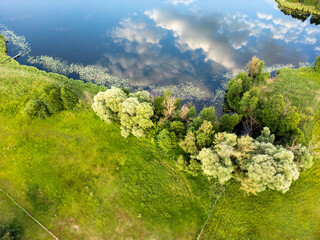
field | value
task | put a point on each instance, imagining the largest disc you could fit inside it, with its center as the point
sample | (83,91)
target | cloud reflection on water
(171,46)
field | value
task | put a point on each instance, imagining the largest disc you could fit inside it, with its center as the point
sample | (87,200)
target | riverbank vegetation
(301,9)
(153,163)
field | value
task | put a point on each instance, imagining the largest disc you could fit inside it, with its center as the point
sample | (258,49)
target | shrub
(317,64)
(35,108)
(69,98)
(257,164)
(9,232)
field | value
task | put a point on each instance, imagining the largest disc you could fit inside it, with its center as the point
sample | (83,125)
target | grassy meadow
(81,179)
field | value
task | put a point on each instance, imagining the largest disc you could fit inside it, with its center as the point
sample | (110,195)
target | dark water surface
(183,45)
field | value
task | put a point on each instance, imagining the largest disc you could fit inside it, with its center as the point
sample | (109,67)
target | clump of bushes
(10,232)
(257,164)
(132,110)
(49,100)
(203,144)
(243,97)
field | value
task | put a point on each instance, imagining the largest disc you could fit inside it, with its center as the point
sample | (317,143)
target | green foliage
(50,99)
(266,136)
(143,96)
(135,118)
(178,128)
(249,102)
(273,112)
(192,113)
(35,108)
(208,114)
(303,158)
(69,98)
(204,134)
(181,163)
(107,104)
(9,232)
(234,93)
(227,123)
(189,143)
(317,64)
(53,101)
(158,106)
(165,142)
(215,166)
(257,164)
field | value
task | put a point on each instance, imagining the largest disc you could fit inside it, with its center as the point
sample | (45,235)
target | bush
(317,64)
(257,164)
(69,98)
(9,232)
(35,108)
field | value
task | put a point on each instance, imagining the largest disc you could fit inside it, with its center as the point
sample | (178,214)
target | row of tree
(49,100)
(201,143)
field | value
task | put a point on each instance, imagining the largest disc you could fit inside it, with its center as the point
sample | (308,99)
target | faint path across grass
(222,190)
(5,193)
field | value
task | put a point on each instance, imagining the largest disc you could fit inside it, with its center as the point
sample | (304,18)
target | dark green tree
(317,63)
(53,101)
(69,98)
(192,113)
(227,123)
(35,108)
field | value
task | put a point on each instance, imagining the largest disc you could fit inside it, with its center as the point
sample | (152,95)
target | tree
(184,112)
(234,93)
(9,232)
(108,104)
(227,123)
(317,64)
(165,142)
(69,98)
(178,128)
(273,112)
(204,134)
(35,108)
(53,101)
(214,166)
(303,158)
(169,104)
(189,143)
(192,113)
(158,106)
(135,117)
(208,114)
(249,104)
(266,136)
(256,164)
(143,96)
(255,66)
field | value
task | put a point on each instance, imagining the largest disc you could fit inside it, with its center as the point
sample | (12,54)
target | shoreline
(298,6)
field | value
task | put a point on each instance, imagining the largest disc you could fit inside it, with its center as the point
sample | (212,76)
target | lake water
(191,47)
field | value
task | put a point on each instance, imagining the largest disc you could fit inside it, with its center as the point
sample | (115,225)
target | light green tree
(189,143)
(108,104)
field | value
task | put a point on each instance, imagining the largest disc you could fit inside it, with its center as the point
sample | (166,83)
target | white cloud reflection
(185,2)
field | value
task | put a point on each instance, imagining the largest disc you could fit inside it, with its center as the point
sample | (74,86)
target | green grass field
(82,179)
